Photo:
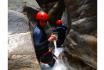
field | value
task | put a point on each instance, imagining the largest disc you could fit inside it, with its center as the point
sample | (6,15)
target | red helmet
(42,16)
(58,22)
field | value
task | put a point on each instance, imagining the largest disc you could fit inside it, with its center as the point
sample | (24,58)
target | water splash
(57,51)
(59,65)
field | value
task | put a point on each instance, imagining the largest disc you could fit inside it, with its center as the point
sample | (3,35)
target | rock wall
(19,37)
(81,42)
(21,52)
(17,5)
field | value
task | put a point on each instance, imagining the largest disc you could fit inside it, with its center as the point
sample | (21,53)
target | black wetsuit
(61,30)
(41,46)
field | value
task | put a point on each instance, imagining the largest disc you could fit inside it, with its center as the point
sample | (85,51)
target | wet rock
(23,62)
(21,54)
(19,37)
(17,22)
(87,25)
(82,50)
(81,41)
(17,5)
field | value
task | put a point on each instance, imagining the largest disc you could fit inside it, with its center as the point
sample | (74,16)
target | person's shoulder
(36,29)
(64,26)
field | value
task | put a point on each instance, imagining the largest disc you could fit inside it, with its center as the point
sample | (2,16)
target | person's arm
(52,37)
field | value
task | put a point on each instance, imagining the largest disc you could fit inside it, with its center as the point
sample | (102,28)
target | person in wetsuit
(41,40)
(61,32)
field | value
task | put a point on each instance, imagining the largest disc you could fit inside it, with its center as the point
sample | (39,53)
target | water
(57,50)
(59,65)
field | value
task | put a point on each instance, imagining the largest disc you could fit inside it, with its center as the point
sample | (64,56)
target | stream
(59,65)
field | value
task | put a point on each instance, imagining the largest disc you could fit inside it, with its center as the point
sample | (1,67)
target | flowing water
(59,65)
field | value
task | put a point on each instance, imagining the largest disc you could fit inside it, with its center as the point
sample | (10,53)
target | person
(61,32)
(41,40)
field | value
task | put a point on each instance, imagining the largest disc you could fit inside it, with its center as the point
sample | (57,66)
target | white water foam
(57,51)
(59,65)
